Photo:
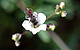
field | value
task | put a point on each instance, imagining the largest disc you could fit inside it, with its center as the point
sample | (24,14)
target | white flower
(16,37)
(62,5)
(63,14)
(41,19)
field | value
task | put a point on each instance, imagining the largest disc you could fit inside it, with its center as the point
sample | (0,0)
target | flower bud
(17,43)
(51,27)
(16,37)
(57,8)
(63,14)
(62,5)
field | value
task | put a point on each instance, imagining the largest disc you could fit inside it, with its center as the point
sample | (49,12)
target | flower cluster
(59,9)
(35,22)
(16,37)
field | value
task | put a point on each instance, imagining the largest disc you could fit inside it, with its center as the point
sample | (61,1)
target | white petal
(42,27)
(41,18)
(27,25)
(34,30)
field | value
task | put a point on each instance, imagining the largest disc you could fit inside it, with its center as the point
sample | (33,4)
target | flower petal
(34,30)
(41,27)
(41,18)
(27,25)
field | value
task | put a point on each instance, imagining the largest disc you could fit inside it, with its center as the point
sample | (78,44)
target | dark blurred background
(12,15)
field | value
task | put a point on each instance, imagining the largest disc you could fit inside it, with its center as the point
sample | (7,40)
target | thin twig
(51,15)
(24,32)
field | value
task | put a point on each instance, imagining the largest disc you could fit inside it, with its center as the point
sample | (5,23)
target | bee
(29,14)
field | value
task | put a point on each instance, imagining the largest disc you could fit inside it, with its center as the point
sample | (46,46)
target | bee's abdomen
(35,23)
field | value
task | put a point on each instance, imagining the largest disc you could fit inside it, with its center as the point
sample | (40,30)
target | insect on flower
(30,15)
(35,21)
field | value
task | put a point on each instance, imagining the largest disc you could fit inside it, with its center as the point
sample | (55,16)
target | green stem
(60,43)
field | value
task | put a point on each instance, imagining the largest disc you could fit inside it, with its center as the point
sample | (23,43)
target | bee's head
(28,11)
